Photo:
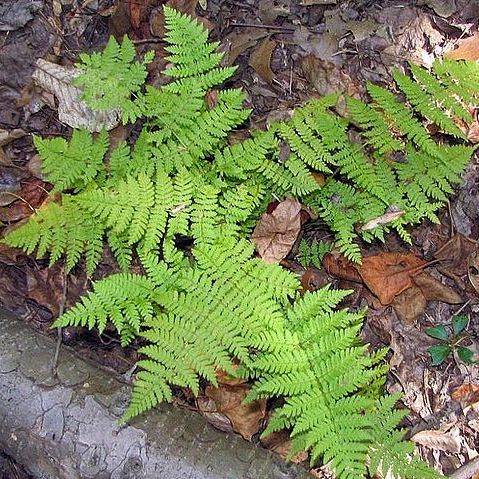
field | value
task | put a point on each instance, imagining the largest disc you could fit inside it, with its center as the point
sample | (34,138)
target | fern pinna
(199,308)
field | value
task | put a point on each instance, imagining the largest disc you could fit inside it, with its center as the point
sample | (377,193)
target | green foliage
(312,254)
(451,338)
(182,201)
(111,77)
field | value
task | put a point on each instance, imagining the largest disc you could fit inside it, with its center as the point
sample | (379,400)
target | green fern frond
(312,254)
(109,79)
(73,164)
(61,230)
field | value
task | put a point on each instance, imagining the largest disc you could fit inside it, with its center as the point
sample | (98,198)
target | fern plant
(312,254)
(200,307)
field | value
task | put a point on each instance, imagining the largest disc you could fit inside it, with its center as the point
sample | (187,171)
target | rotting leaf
(280,443)
(245,418)
(72,110)
(260,59)
(326,77)
(389,274)
(437,440)
(276,232)
(30,197)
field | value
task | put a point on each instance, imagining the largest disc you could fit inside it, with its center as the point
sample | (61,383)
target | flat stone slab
(65,427)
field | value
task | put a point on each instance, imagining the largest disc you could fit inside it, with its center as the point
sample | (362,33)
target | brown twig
(268,27)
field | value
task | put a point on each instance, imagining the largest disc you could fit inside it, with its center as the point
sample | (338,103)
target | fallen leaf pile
(394,278)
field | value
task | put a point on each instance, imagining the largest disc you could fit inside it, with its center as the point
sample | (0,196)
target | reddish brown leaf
(337,265)
(468,49)
(239,41)
(33,193)
(260,59)
(467,394)
(389,274)
(245,418)
(276,232)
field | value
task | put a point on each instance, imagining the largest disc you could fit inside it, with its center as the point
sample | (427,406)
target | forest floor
(287,51)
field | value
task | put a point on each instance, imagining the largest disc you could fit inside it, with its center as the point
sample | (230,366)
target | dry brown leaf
(434,290)
(473,132)
(454,255)
(208,409)
(410,304)
(312,280)
(32,194)
(72,110)
(467,394)
(338,265)
(468,49)
(245,418)
(276,232)
(7,136)
(269,11)
(280,443)
(389,274)
(239,41)
(225,379)
(437,440)
(260,59)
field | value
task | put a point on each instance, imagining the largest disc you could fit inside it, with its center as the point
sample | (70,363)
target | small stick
(272,27)
(61,309)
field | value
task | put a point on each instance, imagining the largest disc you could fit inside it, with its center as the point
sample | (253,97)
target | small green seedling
(451,336)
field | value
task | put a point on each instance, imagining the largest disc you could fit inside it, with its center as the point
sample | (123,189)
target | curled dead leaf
(410,304)
(382,220)
(437,440)
(338,265)
(276,232)
(245,418)
(434,290)
(72,110)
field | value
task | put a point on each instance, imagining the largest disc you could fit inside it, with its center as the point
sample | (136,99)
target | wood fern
(199,307)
